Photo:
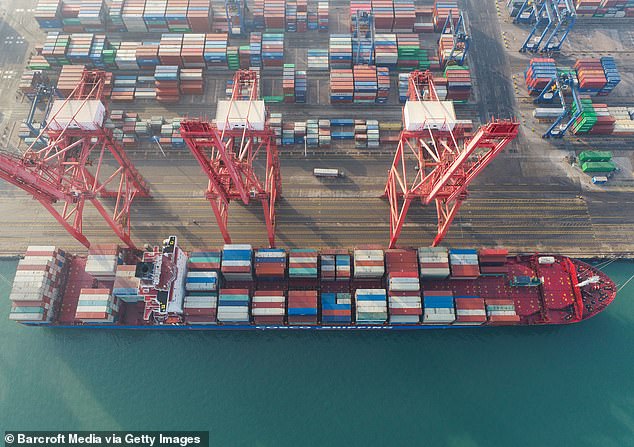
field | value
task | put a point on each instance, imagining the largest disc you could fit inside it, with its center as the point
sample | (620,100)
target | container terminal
(111,109)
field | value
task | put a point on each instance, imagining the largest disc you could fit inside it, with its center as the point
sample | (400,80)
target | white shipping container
(76,114)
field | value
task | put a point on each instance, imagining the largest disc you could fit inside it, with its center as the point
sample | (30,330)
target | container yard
(331,83)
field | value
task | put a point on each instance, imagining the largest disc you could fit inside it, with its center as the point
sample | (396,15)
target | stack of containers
(91,14)
(255,49)
(588,118)
(200,308)
(236,262)
(233,58)
(328,267)
(191,81)
(458,83)
(373,139)
(403,87)
(167,86)
(612,75)
(324,133)
(102,261)
(193,51)
(199,15)
(336,308)
(215,53)
(368,264)
(79,48)
(299,132)
(312,133)
(383,85)
(439,307)
(272,50)
(501,311)
(96,306)
(270,264)
(302,16)
(317,59)
(470,311)
(132,15)
(493,261)
(323,13)
(291,15)
(154,16)
(464,263)
(69,78)
(385,50)
(257,10)
(408,46)
(341,86)
(623,124)
(441,11)
(605,122)
(268,307)
(54,48)
(403,286)
(343,266)
(114,20)
(201,281)
(404,16)
(126,284)
(176,16)
(540,72)
(288,83)
(147,55)
(424,20)
(301,86)
(590,75)
(170,49)
(38,62)
(371,306)
(233,305)
(47,13)
(204,260)
(220,22)
(125,58)
(440,82)
(274,14)
(302,307)
(303,263)
(383,11)
(365,84)
(434,262)
(360,134)
(35,287)
(340,51)
(275,122)
(124,88)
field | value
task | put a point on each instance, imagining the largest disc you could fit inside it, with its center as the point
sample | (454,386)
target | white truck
(324,172)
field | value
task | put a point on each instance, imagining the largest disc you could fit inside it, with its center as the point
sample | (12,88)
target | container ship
(242,288)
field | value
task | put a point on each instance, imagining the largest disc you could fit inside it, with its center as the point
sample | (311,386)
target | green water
(551,386)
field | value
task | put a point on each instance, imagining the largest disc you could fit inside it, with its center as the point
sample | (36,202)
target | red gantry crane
(433,160)
(59,171)
(227,148)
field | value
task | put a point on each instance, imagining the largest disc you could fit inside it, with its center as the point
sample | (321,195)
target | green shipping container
(598,166)
(595,156)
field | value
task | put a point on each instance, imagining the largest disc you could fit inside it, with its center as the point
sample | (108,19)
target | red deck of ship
(78,279)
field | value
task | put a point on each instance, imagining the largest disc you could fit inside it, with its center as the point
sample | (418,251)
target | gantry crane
(556,89)
(363,37)
(553,20)
(59,172)
(235,11)
(227,148)
(433,160)
(460,37)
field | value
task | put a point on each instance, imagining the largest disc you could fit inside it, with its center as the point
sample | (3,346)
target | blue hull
(212,327)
